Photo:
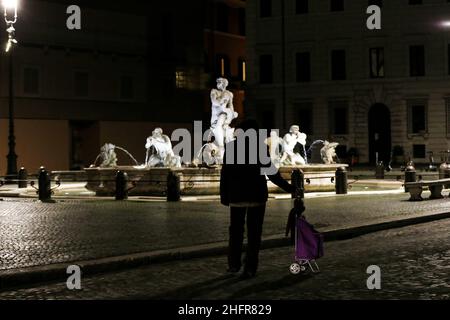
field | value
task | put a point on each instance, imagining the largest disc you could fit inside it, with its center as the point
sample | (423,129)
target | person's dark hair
(248,124)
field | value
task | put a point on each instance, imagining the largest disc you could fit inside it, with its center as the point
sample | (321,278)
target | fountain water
(109,156)
(129,154)
(313,152)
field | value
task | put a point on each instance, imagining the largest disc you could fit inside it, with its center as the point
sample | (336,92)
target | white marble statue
(209,155)
(328,152)
(108,156)
(290,141)
(159,151)
(222,114)
(275,143)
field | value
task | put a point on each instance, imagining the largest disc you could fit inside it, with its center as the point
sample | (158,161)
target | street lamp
(10,9)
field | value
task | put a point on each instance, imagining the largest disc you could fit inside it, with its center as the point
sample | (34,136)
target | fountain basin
(197,181)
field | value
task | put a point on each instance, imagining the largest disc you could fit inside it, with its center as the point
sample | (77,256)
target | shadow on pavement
(198,289)
(244,288)
(280,283)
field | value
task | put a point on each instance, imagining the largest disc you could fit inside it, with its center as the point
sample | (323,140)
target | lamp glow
(10,4)
(10,8)
(445,24)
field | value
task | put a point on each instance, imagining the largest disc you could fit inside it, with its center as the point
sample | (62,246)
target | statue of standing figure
(159,151)
(290,156)
(222,114)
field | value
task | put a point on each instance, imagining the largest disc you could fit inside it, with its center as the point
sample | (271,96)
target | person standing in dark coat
(243,187)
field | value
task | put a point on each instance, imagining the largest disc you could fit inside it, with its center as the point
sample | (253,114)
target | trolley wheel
(295,268)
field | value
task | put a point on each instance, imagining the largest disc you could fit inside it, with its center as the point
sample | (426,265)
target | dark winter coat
(245,183)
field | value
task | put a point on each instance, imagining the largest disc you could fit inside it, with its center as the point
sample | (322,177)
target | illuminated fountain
(202,176)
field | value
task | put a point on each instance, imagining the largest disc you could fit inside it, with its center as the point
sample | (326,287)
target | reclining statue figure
(159,151)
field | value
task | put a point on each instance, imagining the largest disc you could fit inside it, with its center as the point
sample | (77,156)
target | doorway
(379,133)
(85,138)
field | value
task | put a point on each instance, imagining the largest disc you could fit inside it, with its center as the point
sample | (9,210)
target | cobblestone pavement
(33,233)
(414,262)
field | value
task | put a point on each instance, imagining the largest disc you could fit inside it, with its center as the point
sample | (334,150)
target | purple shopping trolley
(308,247)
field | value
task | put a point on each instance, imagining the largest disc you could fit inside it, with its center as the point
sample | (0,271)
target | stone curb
(57,272)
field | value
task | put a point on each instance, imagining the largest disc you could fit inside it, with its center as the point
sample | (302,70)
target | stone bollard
(121,185)
(410,174)
(379,171)
(298,181)
(22,178)
(44,182)
(341,181)
(173,187)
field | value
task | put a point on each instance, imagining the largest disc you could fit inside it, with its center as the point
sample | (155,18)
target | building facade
(127,71)
(225,47)
(74,90)
(316,64)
